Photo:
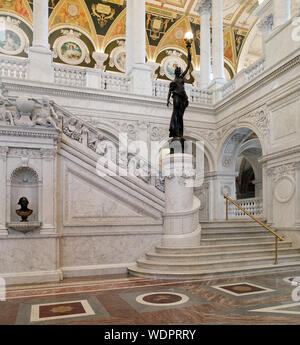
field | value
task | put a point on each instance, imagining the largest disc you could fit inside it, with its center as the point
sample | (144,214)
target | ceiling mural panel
(19,7)
(104,21)
(117,29)
(15,36)
(73,13)
(72,47)
(104,13)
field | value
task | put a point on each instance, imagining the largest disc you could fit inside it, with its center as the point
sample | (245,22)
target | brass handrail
(277,237)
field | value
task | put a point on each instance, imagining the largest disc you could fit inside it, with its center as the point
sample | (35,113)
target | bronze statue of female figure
(180,99)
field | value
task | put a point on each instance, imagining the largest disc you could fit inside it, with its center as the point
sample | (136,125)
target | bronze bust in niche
(24,212)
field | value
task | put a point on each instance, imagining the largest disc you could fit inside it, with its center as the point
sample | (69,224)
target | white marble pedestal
(181,224)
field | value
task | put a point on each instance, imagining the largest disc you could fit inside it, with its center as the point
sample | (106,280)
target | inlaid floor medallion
(54,311)
(162,298)
(60,311)
(241,289)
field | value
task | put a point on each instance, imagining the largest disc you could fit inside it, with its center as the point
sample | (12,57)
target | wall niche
(24,182)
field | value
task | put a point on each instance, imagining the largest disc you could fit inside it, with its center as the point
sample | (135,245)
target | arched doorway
(241,172)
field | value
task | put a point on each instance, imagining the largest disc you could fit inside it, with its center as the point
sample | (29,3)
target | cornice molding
(92,94)
(29,132)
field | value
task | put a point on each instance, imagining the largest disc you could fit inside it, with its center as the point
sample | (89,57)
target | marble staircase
(234,248)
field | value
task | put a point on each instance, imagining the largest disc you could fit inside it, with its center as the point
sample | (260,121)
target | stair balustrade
(253,205)
(277,237)
(92,138)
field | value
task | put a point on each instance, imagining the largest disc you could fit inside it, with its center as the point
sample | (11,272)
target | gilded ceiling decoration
(104,21)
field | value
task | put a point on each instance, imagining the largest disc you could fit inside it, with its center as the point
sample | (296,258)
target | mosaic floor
(123,300)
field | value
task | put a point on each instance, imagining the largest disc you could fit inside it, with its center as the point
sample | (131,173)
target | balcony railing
(17,68)
(242,78)
(254,70)
(114,82)
(160,89)
(12,67)
(71,76)
(253,205)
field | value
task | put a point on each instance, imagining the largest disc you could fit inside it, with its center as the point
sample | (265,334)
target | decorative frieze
(283,177)
(48,153)
(260,119)
(22,152)
(158,132)
(278,172)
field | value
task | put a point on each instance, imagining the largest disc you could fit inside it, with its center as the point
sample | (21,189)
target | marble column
(181,218)
(48,195)
(223,183)
(40,56)
(265,27)
(281,12)
(218,43)
(204,10)
(136,66)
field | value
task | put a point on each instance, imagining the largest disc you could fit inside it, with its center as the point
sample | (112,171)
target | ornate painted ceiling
(102,22)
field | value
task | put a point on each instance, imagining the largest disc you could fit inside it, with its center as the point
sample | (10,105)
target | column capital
(265,24)
(3,151)
(203,7)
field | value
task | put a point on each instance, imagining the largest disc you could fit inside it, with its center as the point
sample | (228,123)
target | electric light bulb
(189,36)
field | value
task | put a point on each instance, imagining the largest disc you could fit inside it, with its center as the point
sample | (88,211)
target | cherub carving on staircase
(6,115)
(95,141)
(46,115)
(73,129)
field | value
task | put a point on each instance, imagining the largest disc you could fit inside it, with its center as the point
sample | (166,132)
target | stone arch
(250,151)
(241,143)
(231,146)
(249,123)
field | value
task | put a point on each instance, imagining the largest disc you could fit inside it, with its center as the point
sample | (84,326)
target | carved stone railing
(114,82)
(70,76)
(196,95)
(92,138)
(228,88)
(160,89)
(16,68)
(254,70)
(242,78)
(253,205)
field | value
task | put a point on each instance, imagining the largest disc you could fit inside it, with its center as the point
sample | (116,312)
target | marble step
(218,255)
(217,264)
(214,274)
(237,239)
(234,233)
(222,248)
(230,224)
